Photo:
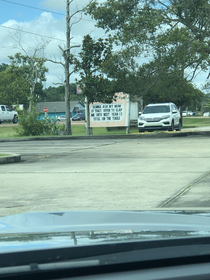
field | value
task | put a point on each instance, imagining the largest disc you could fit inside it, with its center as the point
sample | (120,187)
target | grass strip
(80,130)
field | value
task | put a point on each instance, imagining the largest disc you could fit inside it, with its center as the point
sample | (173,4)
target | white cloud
(47,25)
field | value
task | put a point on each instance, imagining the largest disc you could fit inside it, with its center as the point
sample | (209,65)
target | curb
(11,158)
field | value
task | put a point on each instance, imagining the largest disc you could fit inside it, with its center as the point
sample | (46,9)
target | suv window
(157,109)
(2,108)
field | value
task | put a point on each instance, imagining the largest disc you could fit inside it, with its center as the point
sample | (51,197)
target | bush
(31,124)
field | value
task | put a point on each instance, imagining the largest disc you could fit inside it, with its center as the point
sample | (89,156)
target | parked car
(162,116)
(79,117)
(61,118)
(8,114)
(206,114)
(184,114)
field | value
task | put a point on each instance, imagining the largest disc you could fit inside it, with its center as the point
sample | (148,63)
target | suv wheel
(179,126)
(172,126)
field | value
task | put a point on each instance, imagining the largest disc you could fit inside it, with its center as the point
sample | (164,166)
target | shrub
(32,124)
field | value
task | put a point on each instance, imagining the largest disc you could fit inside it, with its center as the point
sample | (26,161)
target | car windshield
(110,137)
(157,109)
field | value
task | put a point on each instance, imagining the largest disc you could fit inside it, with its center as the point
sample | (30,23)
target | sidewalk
(203,128)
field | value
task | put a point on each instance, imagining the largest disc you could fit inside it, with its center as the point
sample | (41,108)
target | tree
(69,58)
(95,87)
(13,88)
(176,29)
(170,87)
(3,67)
(32,70)
(52,94)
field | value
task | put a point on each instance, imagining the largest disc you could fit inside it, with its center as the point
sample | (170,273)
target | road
(106,174)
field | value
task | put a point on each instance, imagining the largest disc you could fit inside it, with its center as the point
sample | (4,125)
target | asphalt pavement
(132,172)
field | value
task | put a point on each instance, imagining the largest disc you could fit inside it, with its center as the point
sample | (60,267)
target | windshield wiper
(34,267)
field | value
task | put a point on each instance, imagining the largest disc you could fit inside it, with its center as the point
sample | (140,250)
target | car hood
(63,229)
(155,115)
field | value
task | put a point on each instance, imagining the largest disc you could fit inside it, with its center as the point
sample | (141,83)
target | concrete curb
(113,136)
(10,158)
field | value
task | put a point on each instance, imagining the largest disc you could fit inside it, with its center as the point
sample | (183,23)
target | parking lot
(106,174)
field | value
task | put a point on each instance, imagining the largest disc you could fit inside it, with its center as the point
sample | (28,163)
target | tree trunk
(67,74)
(89,130)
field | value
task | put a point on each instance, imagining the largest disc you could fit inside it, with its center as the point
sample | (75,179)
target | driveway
(104,174)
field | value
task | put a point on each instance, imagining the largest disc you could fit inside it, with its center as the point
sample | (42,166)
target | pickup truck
(7,114)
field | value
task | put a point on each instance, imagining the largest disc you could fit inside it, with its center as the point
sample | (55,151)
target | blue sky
(37,20)
(25,10)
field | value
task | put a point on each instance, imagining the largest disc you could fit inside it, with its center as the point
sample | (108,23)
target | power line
(32,33)
(36,34)
(31,7)
(44,10)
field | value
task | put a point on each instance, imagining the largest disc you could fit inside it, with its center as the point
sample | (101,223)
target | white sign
(107,112)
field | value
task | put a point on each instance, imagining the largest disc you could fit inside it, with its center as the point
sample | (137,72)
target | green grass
(3,155)
(195,122)
(80,130)
(8,131)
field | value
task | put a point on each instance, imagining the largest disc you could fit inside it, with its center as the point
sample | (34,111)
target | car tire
(172,126)
(141,130)
(15,119)
(179,126)
(0,122)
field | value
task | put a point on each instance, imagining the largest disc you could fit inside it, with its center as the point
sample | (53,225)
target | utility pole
(67,72)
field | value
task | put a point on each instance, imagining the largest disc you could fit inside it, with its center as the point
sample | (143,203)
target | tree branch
(53,61)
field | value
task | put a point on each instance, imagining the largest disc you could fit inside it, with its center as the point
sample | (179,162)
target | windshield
(157,109)
(83,77)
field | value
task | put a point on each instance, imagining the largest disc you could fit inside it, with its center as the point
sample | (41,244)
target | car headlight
(165,117)
(142,118)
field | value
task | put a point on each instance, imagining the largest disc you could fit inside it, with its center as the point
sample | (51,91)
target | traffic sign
(45,109)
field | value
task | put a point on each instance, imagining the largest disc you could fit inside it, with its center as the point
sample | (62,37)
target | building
(59,108)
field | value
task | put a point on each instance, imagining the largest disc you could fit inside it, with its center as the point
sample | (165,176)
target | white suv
(162,116)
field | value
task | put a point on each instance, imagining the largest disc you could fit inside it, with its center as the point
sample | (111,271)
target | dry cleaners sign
(107,112)
(114,114)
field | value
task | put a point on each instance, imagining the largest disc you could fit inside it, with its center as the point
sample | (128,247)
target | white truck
(7,114)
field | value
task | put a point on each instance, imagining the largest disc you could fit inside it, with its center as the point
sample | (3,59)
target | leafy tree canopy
(53,94)
(13,88)
(32,70)
(94,55)
(174,33)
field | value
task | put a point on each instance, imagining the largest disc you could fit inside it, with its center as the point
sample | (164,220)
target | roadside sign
(79,91)
(45,109)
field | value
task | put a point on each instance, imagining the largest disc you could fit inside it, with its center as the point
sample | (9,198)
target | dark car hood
(61,229)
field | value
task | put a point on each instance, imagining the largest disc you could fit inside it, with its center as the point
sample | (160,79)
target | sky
(45,20)
(38,21)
